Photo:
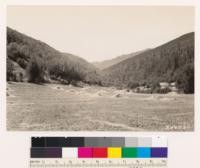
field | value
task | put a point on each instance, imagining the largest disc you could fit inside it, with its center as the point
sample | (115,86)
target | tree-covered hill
(170,62)
(34,61)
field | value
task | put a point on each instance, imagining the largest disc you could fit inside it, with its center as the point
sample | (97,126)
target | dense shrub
(10,69)
(185,79)
(36,70)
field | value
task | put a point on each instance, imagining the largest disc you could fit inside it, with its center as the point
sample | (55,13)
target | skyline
(98,33)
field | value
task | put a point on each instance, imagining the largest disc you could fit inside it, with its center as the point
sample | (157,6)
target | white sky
(98,33)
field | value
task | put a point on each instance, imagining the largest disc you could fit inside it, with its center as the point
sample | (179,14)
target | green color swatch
(129,152)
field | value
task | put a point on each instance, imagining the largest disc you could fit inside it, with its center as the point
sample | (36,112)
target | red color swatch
(100,153)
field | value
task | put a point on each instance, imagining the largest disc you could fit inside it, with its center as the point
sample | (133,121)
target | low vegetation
(56,107)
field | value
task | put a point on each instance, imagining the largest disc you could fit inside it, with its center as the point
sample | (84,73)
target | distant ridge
(108,63)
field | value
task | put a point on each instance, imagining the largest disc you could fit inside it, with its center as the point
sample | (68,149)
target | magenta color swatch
(84,152)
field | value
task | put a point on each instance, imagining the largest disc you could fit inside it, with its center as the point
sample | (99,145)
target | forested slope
(34,61)
(170,62)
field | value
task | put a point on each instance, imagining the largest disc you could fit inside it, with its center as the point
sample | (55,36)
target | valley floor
(53,107)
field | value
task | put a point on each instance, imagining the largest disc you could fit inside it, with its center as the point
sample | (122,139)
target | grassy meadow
(56,107)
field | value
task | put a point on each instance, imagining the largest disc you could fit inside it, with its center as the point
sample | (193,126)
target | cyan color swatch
(143,152)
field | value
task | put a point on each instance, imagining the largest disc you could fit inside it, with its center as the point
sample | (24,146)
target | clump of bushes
(185,79)
(10,68)
(36,70)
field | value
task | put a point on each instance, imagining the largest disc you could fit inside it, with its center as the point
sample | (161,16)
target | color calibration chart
(112,152)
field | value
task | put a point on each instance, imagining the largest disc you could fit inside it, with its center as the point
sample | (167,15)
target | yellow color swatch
(114,152)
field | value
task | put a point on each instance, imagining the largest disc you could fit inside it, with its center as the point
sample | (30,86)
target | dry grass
(60,107)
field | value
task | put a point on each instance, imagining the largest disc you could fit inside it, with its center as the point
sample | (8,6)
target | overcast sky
(100,33)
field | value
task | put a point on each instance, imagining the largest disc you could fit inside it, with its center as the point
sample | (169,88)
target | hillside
(170,62)
(108,63)
(34,61)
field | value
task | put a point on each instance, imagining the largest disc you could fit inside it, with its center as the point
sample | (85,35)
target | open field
(68,108)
